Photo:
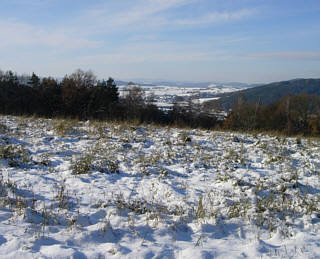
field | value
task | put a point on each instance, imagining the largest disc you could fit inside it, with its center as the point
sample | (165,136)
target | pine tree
(34,81)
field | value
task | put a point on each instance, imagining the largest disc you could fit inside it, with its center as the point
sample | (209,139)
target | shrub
(87,163)
(65,127)
(16,155)
(107,166)
(83,165)
(3,128)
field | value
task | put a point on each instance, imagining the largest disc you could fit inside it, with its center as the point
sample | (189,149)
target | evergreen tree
(34,81)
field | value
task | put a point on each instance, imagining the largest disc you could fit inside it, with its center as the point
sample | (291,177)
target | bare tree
(134,96)
(83,79)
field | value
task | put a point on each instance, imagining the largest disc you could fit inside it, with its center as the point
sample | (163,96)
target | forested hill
(270,93)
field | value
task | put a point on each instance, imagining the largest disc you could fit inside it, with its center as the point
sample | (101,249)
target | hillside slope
(270,93)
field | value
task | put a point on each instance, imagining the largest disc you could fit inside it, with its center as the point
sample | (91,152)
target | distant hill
(270,93)
(188,84)
(201,84)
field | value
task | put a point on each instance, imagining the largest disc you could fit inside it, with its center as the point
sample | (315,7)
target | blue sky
(187,40)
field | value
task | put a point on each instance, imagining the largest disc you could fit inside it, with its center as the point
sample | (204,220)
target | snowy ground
(94,190)
(164,95)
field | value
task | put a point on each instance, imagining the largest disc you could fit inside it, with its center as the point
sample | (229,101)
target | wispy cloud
(23,34)
(217,17)
(135,12)
(148,8)
(131,58)
(28,3)
(108,20)
(155,13)
(289,55)
(156,52)
(178,37)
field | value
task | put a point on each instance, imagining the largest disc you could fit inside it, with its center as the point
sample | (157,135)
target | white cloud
(155,13)
(104,21)
(217,17)
(148,8)
(162,52)
(139,11)
(22,34)
(289,55)
(121,58)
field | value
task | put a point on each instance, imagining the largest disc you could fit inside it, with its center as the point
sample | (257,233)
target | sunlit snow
(90,189)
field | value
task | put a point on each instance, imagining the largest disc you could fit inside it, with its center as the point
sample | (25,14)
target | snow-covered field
(164,95)
(73,189)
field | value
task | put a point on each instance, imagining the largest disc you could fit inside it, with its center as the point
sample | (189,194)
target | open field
(164,95)
(72,189)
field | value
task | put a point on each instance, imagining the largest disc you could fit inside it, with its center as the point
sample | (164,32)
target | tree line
(80,95)
(290,115)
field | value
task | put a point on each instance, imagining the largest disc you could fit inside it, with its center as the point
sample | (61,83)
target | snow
(202,100)
(152,192)
(164,95)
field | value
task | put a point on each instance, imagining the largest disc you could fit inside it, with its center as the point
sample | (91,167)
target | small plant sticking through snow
(199,189)
(83,165)
(16,155)
(89,163)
